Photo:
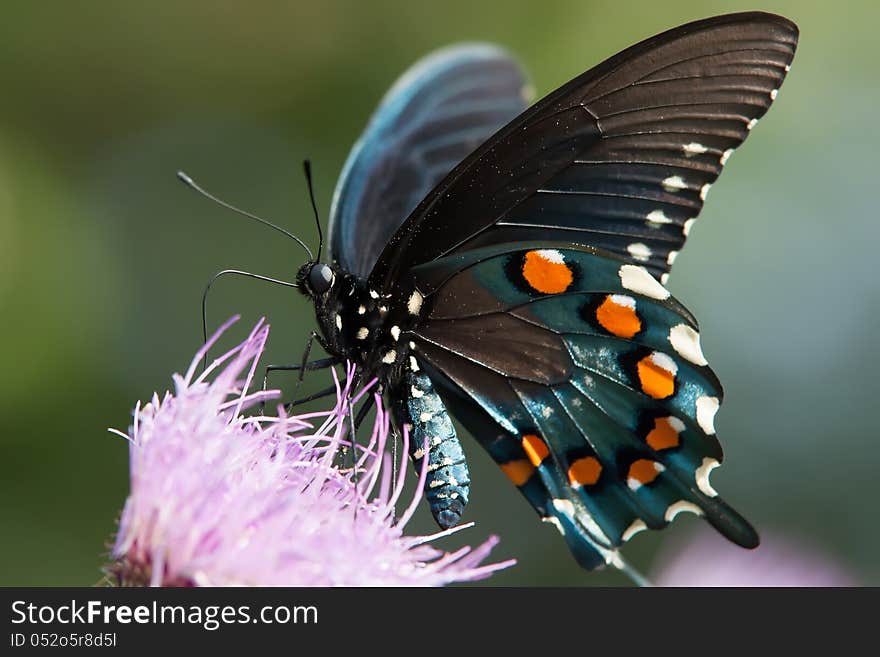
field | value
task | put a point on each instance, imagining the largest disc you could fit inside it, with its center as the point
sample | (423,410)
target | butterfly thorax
(360,324)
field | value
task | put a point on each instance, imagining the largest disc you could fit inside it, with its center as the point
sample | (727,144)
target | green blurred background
(104,255)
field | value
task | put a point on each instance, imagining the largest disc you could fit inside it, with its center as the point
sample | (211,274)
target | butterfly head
(332,291)
(315,279)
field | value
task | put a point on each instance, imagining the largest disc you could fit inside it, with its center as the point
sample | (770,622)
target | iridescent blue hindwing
(439,111)
(588,365)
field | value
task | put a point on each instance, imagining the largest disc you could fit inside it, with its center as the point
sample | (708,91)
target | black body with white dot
(375,332)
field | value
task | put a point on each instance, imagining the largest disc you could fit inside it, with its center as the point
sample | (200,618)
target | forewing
(594,370)
(436,114)
(620,158)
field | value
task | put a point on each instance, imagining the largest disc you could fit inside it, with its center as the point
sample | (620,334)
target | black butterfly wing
(620,158)
(436,114)
(585,380)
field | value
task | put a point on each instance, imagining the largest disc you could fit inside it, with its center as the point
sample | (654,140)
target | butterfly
(505,266)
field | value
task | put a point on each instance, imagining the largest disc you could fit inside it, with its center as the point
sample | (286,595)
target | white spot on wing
(773,94)
(415,392)
(374,294)
(413,365)
(414,303)
(638,280)
(657,218)
(389,357)
(694,148)
(635,484)
(639,251)
(565,507)
(686,229)
(551,255)
(637,526)
(702,476)
(623,300)
(671,257)
(704,191)
(674,184)
(664,277)
(663,361)
(419,453)
(546,412)
(686,342)
(395,333)
(361,310)
(752,124)
(362,333)
(425,417)
(726,156)
(553,520)
(706,409)
(338,321)
(679,507)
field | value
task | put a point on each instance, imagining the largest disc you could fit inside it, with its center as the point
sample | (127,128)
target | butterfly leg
(431,435)
(326,392)
(354,423)
(362,413)
(319,364)
(304,366)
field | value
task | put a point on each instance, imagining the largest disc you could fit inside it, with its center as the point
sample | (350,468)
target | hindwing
(590,366)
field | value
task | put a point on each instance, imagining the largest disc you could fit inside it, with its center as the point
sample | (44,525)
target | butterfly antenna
(307,168)
(227,272)
(189,182)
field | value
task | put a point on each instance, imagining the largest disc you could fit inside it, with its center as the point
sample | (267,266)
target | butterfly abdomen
(431,435)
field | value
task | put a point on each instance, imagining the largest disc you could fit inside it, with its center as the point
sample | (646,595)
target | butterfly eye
(320,278)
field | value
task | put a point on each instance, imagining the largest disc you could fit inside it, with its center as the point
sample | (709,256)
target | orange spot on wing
(518,471)
(584,471)
(663,435)
(656,380)
(546,275)
(535,448)
(618,319)
(643,471)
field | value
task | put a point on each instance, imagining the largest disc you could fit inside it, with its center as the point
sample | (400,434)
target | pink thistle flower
(707,559)
(219,498)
